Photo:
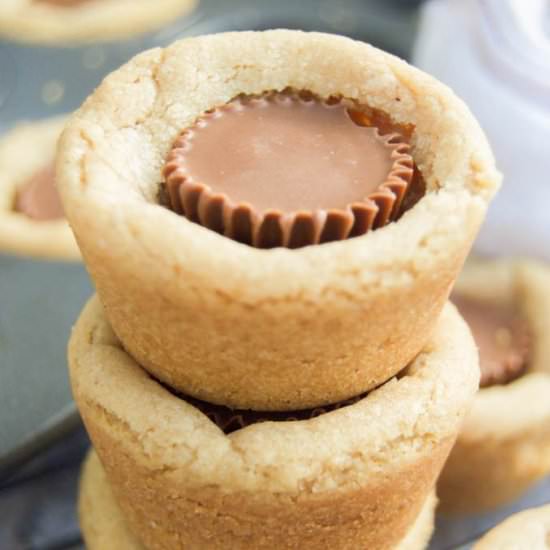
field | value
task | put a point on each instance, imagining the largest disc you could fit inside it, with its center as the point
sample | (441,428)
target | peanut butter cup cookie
(527,530)
(504,445)
(273,220)
(54,21)
(32,222)
(104,526)
(350,476)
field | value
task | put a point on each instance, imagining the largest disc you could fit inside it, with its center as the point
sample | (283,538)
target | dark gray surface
(37,505)
(39,302)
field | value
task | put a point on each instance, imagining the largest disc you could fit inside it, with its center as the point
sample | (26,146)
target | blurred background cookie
(32,222)
(58,21)
(504,445)
(527,530)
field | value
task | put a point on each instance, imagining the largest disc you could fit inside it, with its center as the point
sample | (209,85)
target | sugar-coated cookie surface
(271,329)
(352,478)
(504,445)
(28,147)
(52,21)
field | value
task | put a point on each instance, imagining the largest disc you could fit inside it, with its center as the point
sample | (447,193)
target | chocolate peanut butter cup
(503,447)
(502,336)
(38,198)
(277,326)
(287,169)
(32,221)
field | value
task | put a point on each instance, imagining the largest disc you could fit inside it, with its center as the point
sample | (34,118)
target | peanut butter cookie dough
(356,477)
(504,445)
(527,530)
(104,527)
(31,216)
(55,21)
(268,329)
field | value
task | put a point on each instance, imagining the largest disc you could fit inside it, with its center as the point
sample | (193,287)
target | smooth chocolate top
(288,155)
(502,336)
(38,198)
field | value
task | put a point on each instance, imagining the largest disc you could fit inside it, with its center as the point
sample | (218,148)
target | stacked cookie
(270,362)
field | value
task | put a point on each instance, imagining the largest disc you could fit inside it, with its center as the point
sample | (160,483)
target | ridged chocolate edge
(241,222)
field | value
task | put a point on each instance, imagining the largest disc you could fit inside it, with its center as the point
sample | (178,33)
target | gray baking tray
(39,302)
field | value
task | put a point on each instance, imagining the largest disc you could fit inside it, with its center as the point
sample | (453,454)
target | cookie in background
(504,445)
(32,222)
(79,21)
(527,530)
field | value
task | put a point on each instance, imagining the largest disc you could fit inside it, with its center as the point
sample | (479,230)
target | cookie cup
(274,329)
(504,444)
(527,530)
(104,526)
(91,21)
(25,149)
(356,477)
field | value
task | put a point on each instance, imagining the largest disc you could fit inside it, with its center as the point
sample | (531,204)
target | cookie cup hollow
(352,478)
(24,149)
(274,329)
(526,530)
(104,526)
(504,445)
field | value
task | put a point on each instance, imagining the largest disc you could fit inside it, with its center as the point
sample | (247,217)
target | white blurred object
(495,54)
